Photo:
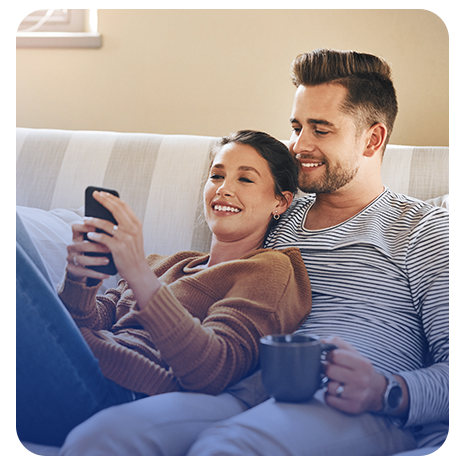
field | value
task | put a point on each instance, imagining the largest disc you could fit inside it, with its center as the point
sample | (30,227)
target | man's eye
(297,130)
(319,132)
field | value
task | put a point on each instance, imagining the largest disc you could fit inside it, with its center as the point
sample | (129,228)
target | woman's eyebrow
(249,168)
(241,168)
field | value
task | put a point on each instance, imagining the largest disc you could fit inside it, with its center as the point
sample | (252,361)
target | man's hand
(354,386)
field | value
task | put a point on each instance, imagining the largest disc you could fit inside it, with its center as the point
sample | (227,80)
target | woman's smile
(225,209)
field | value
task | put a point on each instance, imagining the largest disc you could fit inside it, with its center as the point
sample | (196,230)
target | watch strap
(392,396)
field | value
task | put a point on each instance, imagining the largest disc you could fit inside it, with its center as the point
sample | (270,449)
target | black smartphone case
(95,209)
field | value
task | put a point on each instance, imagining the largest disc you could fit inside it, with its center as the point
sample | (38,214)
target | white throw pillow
(442,201)
(51,232)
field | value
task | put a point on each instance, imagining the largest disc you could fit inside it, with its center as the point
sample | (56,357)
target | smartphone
(95,209)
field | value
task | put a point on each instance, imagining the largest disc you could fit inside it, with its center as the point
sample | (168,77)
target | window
(54,21)
(53,28)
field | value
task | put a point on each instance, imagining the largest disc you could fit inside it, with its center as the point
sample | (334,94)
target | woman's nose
(224,189)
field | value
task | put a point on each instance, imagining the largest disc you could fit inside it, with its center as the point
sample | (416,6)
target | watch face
(394,397)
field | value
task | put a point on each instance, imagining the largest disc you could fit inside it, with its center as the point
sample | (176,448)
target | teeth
(311,165)
(226,208)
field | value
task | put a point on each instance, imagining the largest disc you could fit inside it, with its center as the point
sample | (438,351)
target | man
(378,265)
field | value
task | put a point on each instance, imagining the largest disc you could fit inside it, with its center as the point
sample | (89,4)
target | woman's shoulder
(160,263)
(277,261)
(284,254)
(277,270)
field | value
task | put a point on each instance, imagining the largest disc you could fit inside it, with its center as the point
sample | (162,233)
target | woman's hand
(125,242)
(77,261)
(354,385)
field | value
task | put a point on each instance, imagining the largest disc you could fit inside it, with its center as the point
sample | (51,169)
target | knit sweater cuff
(78,298)
(163,313)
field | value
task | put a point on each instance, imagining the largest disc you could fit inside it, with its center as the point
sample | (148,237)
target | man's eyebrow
(321,122)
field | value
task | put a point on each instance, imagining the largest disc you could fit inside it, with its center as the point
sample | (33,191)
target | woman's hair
(281,163)
(371,96)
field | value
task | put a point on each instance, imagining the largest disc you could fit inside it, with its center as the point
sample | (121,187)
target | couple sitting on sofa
(377,262)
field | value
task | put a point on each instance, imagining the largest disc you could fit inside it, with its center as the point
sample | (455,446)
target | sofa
(161,177)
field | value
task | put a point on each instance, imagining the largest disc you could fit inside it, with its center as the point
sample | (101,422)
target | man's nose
(303,142)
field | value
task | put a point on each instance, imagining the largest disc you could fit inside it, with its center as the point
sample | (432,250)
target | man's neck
(331,209)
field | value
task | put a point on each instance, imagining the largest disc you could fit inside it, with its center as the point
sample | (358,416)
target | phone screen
(95,209)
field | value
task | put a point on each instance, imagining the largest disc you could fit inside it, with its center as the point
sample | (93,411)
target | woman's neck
(227,251)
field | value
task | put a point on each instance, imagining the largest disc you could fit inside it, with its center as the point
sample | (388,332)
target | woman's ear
(285,200)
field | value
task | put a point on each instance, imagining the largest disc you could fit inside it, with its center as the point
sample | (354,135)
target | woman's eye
(245,179)
(215,176)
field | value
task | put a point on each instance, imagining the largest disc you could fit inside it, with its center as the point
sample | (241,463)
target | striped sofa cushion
(420,172)
(162,176)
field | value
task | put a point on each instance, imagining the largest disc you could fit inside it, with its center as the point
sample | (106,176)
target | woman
(188,322)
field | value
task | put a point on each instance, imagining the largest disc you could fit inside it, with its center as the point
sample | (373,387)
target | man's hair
(371,96)
(280,161)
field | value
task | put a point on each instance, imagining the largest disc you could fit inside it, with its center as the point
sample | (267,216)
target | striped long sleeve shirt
(380,281)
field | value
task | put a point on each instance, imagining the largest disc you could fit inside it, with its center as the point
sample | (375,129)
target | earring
(276,215)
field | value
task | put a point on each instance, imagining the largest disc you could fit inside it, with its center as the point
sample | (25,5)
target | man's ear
(284,202)
(376,137)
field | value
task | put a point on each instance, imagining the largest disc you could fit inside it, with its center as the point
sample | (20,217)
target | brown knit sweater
(200,331)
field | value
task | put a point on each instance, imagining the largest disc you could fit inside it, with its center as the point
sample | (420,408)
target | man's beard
(334,178)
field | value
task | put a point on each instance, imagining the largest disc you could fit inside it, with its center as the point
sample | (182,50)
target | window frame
(62,20)
(74,29)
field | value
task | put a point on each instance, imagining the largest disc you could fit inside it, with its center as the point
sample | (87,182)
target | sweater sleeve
(88,309)
(271,296)
(428,270)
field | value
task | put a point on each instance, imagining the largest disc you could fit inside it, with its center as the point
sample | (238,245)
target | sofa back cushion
(420,172)
(162,176)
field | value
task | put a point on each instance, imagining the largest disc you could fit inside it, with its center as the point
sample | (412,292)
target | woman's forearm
(144,284)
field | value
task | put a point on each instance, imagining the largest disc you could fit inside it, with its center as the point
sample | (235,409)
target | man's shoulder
(404,207)
(389,205)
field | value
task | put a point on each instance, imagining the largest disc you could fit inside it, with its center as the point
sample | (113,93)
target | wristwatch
(393,395)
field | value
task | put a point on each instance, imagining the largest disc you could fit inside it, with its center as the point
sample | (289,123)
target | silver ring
(75,261)
(115,228)
(340,389)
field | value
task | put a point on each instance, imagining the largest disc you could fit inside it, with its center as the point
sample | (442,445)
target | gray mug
(291,366)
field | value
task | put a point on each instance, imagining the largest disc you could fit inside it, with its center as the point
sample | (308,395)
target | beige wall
(210,72)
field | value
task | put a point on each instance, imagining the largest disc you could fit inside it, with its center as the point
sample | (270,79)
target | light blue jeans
(180,423)
(304,429)
(238,422)
(58,380)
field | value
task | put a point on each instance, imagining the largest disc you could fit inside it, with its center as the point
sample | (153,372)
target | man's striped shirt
(380,281)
